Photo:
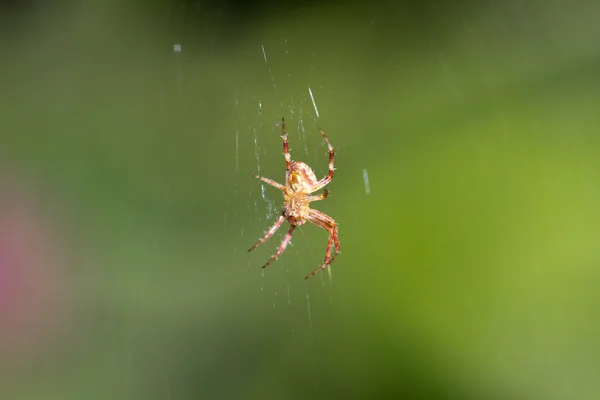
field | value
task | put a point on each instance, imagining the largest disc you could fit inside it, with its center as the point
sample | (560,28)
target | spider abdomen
(302,178)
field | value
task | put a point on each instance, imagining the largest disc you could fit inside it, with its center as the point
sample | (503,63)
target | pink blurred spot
(30,273)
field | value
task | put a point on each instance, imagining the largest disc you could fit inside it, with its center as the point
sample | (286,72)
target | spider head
(301,177)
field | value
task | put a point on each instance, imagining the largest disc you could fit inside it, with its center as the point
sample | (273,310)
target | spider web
(279,92)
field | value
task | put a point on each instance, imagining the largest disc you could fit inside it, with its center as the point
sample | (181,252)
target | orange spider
(300,182)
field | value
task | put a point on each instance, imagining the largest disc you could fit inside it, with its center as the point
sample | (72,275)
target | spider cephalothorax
(300,183)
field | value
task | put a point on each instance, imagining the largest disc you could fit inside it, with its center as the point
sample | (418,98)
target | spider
(300,183)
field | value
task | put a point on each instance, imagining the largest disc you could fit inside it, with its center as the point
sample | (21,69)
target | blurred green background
(470,260)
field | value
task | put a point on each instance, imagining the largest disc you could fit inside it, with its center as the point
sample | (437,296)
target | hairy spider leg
(318,197)
(270,182)
(281,248)
(325,181)
(321,216)
(286,150)
(270,233)
(326,222)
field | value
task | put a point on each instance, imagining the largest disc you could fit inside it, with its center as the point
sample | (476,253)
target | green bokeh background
(470,270)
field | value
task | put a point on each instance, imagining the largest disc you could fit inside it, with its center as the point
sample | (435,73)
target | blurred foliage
(470,270)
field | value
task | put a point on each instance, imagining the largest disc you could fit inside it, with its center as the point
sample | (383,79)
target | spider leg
(326,222)
(270,233)
(318,197)
(323,182)
(269,181)
(328,259)
(281,248)
(286,149)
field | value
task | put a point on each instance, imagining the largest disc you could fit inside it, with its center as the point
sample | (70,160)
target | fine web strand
(262,46)
(264,53)
(237,150)
(366,181)
(313,101)
(308,308)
